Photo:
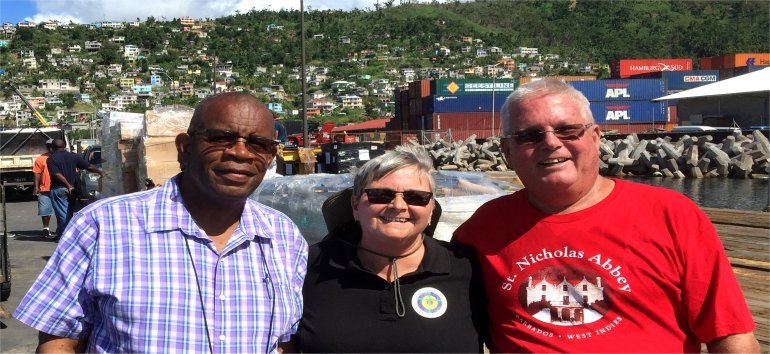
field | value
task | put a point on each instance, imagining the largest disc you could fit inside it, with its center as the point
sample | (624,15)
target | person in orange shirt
(42,189)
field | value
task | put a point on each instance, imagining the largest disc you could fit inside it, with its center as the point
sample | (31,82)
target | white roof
(758,81)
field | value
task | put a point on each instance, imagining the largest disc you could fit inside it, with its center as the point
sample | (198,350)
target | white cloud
(87,11)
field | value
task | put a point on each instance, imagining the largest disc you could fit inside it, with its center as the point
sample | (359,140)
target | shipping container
(705,63)
(621,90)
(744,59)
(632,112)
(475,122)
(624,68)
(419,89)
(682,80)
(468,103)
(525,79)
(748,69)
(672,114)
(459,87)
(635,128)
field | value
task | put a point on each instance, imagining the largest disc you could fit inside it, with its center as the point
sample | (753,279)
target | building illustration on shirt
(565,303)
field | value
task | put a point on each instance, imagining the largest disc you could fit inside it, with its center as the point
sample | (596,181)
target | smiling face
(552,165)
(388,226)
(216,173)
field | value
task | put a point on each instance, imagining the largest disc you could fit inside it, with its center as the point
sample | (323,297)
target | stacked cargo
(731,65)
(625,68)
(121,135)
(339,158)
(566,78)
(676,81)
(468,106)
(158,160)
(624,105)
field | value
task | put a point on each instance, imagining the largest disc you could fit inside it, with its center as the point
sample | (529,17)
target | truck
(18,150)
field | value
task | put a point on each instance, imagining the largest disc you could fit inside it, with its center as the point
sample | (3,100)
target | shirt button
(222,337)
(222,297)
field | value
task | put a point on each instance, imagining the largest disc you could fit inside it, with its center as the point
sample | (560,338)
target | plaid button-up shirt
(122,277)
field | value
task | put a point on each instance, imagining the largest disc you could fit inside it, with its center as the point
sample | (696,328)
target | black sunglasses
(385,196)
(534,136)
(226,138)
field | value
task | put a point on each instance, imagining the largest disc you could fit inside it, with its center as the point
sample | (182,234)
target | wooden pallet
(746,238)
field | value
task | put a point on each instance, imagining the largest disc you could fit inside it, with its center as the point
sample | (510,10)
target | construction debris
(467,155)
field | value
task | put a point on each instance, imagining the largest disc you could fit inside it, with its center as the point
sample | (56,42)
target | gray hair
(539,88)
(403,156)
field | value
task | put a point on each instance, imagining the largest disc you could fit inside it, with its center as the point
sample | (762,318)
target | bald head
(242,99)
(59,144)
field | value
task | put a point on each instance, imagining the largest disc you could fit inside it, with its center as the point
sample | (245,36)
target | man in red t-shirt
(576,262)
(42,189)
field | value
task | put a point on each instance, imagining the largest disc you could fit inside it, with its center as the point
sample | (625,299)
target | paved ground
(28,251)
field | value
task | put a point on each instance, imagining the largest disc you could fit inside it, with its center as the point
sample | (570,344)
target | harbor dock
(746,238)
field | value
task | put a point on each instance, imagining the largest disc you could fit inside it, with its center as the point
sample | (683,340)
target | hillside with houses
(356,60)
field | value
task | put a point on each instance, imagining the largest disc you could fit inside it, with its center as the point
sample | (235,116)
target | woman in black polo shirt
(378,282)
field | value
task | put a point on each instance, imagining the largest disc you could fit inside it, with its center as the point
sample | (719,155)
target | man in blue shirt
(62,167)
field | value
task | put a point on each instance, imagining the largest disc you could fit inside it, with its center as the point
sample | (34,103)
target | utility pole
(305,140)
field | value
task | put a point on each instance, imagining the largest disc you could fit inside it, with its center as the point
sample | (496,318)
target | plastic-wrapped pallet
(121,134)
(157,154)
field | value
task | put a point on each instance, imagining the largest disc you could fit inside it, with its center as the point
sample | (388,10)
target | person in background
(576,262)
(193,266)
(42,189)
(62,168)
(378,282)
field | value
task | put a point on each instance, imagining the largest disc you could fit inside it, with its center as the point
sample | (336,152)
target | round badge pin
(429,302)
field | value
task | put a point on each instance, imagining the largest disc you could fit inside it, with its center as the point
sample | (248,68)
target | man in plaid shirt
(193,266)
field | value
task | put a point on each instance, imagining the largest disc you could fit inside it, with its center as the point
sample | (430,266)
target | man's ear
(182,143)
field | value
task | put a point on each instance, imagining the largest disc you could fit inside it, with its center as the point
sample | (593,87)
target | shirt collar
(168,212)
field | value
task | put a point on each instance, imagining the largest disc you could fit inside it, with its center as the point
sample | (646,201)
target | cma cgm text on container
(624,68)
(683,80)
(621,90)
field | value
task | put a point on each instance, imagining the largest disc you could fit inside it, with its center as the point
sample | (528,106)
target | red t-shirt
(641,271)
(41,167)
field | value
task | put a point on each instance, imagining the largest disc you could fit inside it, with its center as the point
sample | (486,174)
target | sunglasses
(225,138)
(534,136)
(385,196)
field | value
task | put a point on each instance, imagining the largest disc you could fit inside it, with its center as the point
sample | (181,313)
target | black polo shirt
(349,309)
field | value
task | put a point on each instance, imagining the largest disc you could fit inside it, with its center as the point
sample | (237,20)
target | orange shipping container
(525,79)
(419,89)
(745,59)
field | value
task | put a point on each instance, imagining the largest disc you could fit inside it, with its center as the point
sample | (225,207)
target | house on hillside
(352,101)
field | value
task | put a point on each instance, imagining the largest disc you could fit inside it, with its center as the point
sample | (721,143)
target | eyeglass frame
(405,195)
(522,134)
(233,138)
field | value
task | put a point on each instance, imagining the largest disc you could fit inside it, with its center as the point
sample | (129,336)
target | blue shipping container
(620,112)
(620,90)
(685,80)
(468,103)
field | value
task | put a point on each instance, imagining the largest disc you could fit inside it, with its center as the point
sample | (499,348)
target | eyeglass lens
(567,132)
(385,196)
(227,138)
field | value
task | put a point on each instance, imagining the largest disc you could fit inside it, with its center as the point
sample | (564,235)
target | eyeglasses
(534,136)
(226,138)
(385,196)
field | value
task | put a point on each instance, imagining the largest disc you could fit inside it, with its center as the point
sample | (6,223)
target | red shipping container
(705,63)
(479,123)
(672,115)
(633,128)
(624,68)
(419,89)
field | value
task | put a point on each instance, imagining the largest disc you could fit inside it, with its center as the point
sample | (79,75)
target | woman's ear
(354,206)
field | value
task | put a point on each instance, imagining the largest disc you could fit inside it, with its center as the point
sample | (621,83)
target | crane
(37,114)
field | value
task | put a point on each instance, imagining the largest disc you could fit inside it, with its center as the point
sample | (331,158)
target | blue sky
(15,11)
(87,11)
